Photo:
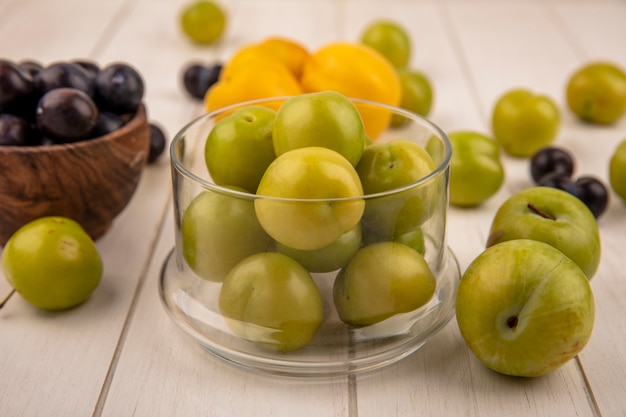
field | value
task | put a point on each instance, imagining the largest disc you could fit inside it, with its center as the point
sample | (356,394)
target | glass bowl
(193,273)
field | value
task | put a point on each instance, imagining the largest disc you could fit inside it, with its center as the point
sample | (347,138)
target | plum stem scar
(540,212)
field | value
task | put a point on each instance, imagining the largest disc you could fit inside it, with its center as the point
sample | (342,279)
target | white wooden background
(120,355)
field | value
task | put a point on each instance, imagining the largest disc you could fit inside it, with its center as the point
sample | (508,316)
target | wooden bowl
(90,181)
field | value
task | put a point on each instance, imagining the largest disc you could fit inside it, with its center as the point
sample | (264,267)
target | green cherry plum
(327,119)
(413,239)
(552,216)
(417,95)
(239,148)
(596,92)
(390,39)
(313,198)
(328,258)
(382,280)
(524,308)
(271,300)
(524,122)
(617,170)
(203,21)
(387,166)
(476,172)
(52,263)
(218,231)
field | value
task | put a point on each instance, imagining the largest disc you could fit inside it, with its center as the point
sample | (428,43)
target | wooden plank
(595,31)
(70,352)
(310,23)
(49,31)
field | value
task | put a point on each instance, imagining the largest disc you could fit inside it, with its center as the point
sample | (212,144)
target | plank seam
(99,407)
(591,398)
(114,25)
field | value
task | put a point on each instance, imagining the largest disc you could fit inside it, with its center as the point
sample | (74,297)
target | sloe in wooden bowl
(90,181)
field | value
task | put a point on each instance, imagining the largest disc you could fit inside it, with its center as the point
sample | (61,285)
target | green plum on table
(390,40)
(552,216)
(524,122)
(596,92)
(52,263)
(524,308)
(617,170)
(476,171)
(417,95)
(203,21)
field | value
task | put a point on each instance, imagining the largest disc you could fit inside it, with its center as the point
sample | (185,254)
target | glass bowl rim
(211,186)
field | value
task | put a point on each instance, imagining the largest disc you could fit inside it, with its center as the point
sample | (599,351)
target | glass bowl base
(336,349)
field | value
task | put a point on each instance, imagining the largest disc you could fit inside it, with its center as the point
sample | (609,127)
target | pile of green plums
(303,190)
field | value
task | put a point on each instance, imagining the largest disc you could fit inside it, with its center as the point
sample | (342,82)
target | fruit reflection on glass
(388,166)
(476,172)
(524,122)
(554,217)
(311,173)
(271,300)
(240,147)
(218,231)
(381,280)
(524,308)
(52,263)
(596,92)
(326,119)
